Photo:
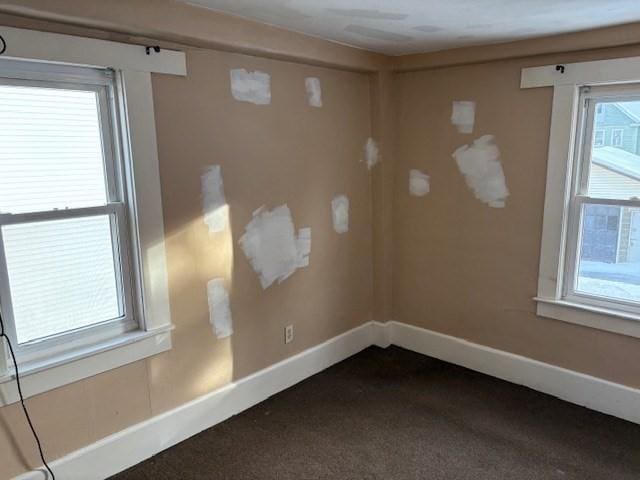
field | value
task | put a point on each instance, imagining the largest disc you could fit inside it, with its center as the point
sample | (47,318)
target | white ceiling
(409,26)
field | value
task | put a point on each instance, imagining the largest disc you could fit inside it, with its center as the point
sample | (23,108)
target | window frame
(589,100)
(614,74)
(133,66)
(102,83)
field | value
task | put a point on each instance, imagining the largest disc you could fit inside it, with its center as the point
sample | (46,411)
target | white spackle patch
(214,205)
(253,87)
(371,153)
(463,116)
(314,91)
(340,213)
(482,170)
(418,183)
(219,309)
(303,243)
(271,246)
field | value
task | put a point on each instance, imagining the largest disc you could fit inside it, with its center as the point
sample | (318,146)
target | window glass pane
(62,275)
(50,150)
(609,254)
(615,153)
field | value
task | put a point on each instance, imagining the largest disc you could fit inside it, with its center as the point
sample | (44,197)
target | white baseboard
(128,447)
(380,334)
(141,441)
(578,388)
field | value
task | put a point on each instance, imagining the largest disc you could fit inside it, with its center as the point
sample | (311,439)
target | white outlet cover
(288,334)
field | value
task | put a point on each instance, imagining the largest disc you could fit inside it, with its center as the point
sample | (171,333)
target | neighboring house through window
(617,136)
(598,138)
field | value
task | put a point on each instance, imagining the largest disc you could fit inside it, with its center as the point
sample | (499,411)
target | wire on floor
(24,407)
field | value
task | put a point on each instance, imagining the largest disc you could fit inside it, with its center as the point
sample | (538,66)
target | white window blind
(61,274)
(50,150)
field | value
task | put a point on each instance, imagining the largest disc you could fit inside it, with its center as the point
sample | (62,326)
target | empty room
(320,239)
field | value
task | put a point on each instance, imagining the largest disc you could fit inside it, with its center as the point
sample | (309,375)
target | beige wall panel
(468,270)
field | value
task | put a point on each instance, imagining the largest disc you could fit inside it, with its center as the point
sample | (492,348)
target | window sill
(38,377)
(599,318)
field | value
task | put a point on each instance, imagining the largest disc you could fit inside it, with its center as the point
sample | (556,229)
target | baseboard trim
(591,392)
(131,446)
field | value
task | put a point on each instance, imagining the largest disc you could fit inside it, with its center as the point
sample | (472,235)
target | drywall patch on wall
(219,309)
(418,183)
(371,153)
(272,247)
(253,87)
(482,170)
(214,205)
(340,213)
(463,116)
(314,91)
(303,243)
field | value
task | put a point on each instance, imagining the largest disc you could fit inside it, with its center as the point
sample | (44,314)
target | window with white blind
(83,276)
(66,276)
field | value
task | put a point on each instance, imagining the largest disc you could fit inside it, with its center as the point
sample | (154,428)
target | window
(64,233)
(83,277)
(616,137)
(590,249)
(601,267)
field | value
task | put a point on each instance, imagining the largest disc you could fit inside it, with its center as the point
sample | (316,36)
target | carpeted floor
(393,414)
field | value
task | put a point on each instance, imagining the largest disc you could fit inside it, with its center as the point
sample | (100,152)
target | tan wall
(287,152)
(445,262)
(468,270)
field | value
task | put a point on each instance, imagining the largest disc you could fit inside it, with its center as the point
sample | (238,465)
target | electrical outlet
(288,334)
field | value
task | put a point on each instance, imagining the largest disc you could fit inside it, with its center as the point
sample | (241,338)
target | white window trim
(566,80)
(134,66)
(604,137)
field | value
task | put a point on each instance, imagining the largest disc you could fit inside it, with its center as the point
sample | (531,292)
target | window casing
(133,67)
(113,210)
(561,231)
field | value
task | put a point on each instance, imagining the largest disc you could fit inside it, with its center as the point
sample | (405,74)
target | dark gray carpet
(393,414)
